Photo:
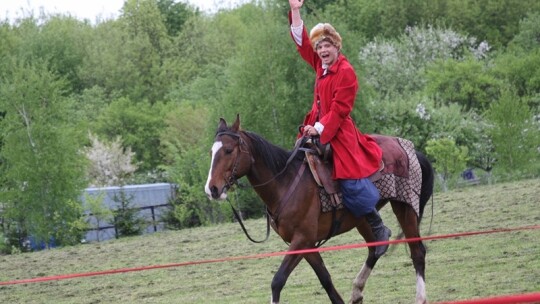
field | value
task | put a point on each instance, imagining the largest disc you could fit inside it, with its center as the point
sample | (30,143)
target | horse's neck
(275,190)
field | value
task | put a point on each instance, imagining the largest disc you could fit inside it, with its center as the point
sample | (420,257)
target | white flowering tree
(397,66)
(111,163)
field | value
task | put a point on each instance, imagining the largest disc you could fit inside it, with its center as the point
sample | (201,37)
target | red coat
(355,155)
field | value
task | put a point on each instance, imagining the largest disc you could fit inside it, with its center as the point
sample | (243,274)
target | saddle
(318,156)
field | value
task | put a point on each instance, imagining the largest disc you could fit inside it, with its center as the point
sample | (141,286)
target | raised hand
(296,4)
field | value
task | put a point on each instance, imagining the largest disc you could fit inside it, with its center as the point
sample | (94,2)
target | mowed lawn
(457,268)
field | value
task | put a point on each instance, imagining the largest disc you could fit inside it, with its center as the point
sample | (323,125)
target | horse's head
(230,160)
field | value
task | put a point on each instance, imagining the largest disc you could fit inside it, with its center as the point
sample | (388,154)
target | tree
(101,213)
(268,81)
(521,71)
(138,125)
(397,66)
(449,158)
(128,57)
(110,163)
(467,83)
(175,15)
(43,169)
(126,219)
(529,31)
(514,133)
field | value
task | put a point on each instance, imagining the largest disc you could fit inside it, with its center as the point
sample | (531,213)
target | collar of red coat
(334,67)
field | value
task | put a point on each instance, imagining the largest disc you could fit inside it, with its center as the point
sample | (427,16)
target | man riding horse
(355,156)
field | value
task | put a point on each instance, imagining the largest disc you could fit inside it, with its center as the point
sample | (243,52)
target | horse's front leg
(316,262)
(280,278)
(359,283)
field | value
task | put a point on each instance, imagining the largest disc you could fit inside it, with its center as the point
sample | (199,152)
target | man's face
(327,52)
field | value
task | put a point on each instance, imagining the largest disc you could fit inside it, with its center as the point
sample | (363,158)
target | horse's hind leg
(409,223)
(316,262)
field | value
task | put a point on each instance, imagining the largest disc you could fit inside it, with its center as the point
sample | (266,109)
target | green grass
(462,268)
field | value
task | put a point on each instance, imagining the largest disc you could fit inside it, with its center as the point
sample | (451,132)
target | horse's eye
(228,151)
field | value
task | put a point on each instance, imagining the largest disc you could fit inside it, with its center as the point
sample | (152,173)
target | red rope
(259,256)
(511,299)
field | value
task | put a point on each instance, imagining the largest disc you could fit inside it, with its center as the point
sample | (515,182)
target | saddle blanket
(403,185)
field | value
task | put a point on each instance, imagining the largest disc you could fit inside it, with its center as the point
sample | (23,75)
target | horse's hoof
(357,299)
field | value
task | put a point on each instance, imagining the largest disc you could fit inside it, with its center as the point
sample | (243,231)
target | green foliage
(139,126)
(521,71)
(4,245)
(529,30)
(127,56)
(175,15)
(449,158)
(383,18)
(493,21)
(397,66)
(466,83)
(185,125)
(60,43)
(126,220)
(88,106)
(515,133)
(96,208)
(263,83)
(42,169)
(185,211)
(419,119)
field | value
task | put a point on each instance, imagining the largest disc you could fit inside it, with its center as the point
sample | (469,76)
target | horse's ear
(236,126)
(222,124)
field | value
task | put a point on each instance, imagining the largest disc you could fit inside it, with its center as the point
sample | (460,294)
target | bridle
(232,180)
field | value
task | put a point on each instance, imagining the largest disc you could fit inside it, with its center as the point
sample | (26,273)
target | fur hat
(324,32)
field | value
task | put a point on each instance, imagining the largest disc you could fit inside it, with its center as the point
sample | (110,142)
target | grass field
(459,268)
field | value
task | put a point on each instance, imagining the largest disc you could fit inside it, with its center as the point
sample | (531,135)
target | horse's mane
(274,157)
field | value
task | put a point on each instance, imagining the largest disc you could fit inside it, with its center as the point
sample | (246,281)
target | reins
(240,221)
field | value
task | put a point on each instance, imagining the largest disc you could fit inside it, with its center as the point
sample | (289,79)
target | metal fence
(151,201)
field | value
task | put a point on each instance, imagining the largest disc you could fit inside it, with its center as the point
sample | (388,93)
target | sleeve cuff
(319,127)
(297,32)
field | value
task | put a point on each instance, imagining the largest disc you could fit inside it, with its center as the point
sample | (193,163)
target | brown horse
(291,196)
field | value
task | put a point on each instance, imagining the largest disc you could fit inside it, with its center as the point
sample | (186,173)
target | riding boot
(380,231)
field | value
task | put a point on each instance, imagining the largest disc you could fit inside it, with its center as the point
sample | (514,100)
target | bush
(126,219)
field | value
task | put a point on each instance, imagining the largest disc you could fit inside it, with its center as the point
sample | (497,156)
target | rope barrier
(510,299)
(259,256)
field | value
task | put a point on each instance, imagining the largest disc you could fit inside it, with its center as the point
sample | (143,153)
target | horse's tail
(428,179)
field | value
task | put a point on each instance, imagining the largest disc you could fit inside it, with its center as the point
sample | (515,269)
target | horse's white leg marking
(359,283)
(215,148)
(420,290)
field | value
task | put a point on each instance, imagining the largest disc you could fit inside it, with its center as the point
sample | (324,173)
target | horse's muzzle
(216,194)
